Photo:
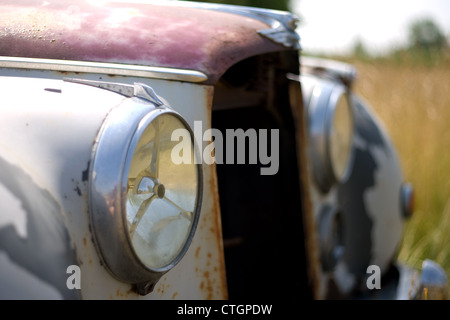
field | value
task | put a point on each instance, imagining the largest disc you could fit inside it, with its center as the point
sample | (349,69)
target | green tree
(427,43)
(268,4)
(359,50)
(424,34)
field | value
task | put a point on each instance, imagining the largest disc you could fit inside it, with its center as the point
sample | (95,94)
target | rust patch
(209,265)
(197,251)
(218,229)
(84,242)
(162,285)
(121,294)
(209,285)
(208,260)
(174,295)
(209,99)
(161,289)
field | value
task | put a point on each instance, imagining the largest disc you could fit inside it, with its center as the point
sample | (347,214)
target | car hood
(170,34)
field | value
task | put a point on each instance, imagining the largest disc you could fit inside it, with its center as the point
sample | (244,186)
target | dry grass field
(413,101)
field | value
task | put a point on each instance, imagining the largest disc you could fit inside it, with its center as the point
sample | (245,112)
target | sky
(333,26)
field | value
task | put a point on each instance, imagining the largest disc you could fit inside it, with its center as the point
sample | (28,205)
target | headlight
(331,134)
(144,208)
(340,137)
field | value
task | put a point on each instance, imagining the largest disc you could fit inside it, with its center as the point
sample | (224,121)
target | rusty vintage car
(181,150)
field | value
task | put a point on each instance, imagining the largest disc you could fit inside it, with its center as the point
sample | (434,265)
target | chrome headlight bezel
(111,159)
(322,107)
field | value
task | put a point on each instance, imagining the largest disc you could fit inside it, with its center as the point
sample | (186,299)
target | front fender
(360,219)
(370,200)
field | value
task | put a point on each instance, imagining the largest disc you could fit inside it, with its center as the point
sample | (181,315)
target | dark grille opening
(262,219)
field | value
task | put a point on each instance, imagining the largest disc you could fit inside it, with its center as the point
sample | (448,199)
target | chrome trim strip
(139,90)
(322,67)
(282,24)
(103,68)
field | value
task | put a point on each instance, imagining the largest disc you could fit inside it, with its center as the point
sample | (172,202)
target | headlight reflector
(161,196)
(341,137)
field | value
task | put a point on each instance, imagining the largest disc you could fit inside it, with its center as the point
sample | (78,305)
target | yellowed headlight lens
(341,137)
(161,195)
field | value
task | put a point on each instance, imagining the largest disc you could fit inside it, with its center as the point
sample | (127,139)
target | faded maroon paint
(163,36)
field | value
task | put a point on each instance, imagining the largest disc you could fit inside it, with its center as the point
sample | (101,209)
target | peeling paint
(374,185)
(15,216)
(47,251)
(85,173)
(18,283)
